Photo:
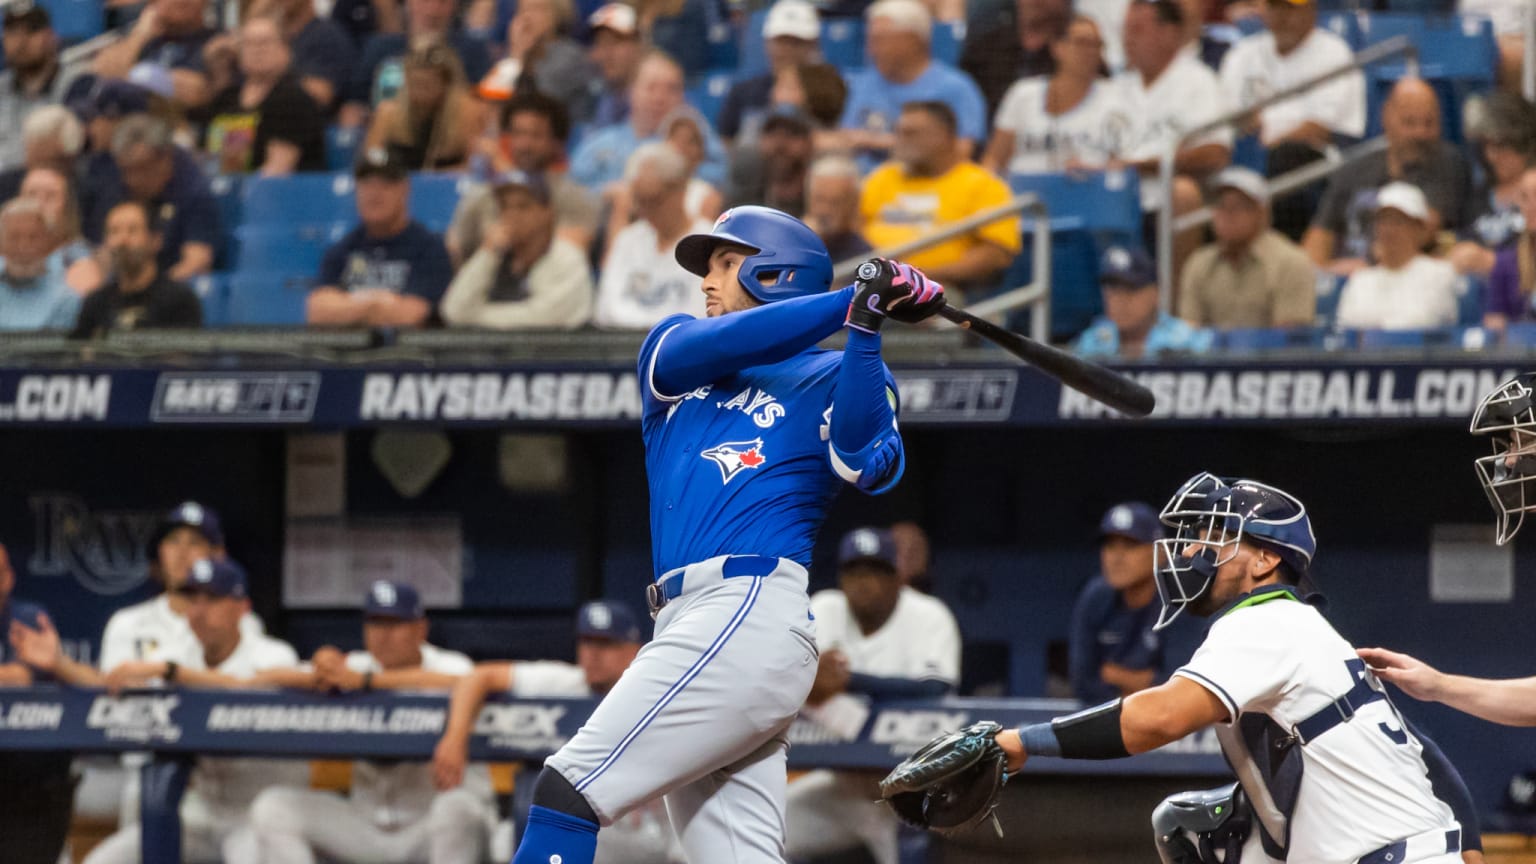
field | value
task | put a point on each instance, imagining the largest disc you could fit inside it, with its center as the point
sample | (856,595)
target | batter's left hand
(891,289)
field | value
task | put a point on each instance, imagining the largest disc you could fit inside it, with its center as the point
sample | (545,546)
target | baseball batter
(1333,773)
(749,431)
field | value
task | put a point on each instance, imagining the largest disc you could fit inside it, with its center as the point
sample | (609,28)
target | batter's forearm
(694,353)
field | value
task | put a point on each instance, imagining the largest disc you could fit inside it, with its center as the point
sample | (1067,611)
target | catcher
(1332,773)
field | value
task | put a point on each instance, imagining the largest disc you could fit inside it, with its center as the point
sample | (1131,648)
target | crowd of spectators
(583,160)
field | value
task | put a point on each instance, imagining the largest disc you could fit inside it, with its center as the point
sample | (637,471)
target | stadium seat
(1521,334)
(1457,55)
(301,200)
(1390,339)
(213,290)
(266,248)
(341,145)
(842,43)
(708,94)
(1345,25)
(723,51)
(1247,339)
(267,298)
(76,20)
(433,199)
(1249,152)
(751,55)
(1469,302)
(948,38)
(226,192)
(1329,287)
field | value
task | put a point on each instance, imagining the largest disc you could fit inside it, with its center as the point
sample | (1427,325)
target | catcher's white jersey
(1363,782)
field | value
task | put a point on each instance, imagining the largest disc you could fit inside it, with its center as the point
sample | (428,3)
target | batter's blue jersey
(740,466)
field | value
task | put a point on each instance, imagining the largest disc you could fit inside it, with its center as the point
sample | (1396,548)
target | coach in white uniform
(394,815)
(220,791)
(607,639)
(1333,773)
(879,640)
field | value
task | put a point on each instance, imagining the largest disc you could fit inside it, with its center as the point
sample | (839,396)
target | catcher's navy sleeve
(1450,788)
(695,352)
(881,687)
(865,446)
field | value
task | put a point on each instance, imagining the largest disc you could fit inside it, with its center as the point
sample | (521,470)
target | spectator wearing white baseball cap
(616,51)
(1252,276)
(1404,289)
(791,38)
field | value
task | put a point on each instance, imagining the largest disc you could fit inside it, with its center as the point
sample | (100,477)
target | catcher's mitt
(952,783)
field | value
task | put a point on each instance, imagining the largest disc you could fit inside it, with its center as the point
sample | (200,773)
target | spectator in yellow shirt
(928,184)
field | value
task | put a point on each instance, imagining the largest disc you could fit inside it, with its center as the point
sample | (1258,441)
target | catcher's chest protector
(1267,761)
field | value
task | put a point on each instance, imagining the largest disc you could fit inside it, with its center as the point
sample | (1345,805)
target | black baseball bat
(1106,385)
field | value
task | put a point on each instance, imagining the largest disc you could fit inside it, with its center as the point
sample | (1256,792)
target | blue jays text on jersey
(740,466)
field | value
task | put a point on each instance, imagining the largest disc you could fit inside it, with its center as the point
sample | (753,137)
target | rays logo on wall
(103,550)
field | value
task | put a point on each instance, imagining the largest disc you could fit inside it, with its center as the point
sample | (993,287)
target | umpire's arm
(1140,722)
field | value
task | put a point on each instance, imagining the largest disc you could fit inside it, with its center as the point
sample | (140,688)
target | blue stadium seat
(1249,152)
(723,51)
(299,201)
(433,199)
(1469,303)
(213,290)
(1087,213)
(1457,55)
(708,94)
(1252,339)
(751,55)
(1329,287)
(226,193)
(76,20)
(1521,334)
(1400,339)
(341,145)
(948,38)
(268,298)
(267,248)
(842,42)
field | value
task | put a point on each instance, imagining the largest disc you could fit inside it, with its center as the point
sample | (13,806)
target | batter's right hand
(448,762)
(1413,676)
(884,288)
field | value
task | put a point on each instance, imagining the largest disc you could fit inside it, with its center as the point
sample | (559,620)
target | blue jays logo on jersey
(735,456)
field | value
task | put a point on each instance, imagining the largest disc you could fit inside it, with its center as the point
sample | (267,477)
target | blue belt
(1396,853)
(1341,710)
(668,588)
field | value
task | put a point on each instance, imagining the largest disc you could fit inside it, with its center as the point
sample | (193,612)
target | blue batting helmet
(1211,515)
(787,258)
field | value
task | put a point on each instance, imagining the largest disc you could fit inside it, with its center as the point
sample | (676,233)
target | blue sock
(551,833)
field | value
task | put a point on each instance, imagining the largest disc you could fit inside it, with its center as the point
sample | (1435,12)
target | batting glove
(886,288)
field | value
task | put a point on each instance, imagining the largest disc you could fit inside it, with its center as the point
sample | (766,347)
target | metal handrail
(88,49)
(1295,179)
(1397,45)
(1036,293)
(1528,67)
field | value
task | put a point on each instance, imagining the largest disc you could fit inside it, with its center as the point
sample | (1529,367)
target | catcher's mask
(1202,827)
(1211,516)
(1508,417)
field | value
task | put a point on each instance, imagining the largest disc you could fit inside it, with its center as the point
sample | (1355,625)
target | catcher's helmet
(1212,515)
(1508,416)
(1202,827)
(787,258)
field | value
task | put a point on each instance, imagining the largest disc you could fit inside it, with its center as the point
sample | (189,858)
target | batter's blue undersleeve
(553,792)
(866,449)
(551,833)
(881,687)
(694,353)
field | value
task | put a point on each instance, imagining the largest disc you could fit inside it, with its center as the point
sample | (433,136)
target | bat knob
(868,270)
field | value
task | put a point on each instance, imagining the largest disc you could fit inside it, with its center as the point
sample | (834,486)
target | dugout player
(607,639)
(394,815)
(879,640)
(1334,774)
(220,790)
(1114,650)
(1508,416)
(750,430)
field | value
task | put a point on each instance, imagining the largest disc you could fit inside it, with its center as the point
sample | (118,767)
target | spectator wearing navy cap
(523,276)
(37,797)
(1113,650)
(388,271)
(392,805)
(879,639)
(33,74)
(1131,325)
(608,636)
(220,791)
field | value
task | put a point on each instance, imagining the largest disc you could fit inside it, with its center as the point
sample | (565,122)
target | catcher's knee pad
(1202,826)
(553,792)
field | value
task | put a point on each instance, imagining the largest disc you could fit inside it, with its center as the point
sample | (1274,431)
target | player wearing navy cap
(393,813)
(879,640)
(749,432)
(608,637)
(220,790)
